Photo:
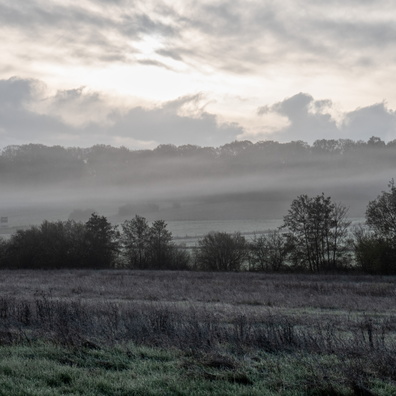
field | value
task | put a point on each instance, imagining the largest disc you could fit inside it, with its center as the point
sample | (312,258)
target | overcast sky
(145,72)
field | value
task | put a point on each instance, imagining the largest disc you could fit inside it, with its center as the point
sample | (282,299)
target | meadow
(121,332)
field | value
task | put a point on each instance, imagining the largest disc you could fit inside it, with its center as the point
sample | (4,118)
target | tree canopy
(220,251)
(317,230)
(381,213)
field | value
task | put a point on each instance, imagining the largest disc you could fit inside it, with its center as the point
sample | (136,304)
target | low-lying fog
(235,182)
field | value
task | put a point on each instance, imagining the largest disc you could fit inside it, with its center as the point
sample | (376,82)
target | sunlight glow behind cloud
(240,55)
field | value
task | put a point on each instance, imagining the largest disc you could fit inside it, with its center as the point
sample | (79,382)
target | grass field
(195,333)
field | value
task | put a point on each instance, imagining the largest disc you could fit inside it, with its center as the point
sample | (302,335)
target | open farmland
(210,333)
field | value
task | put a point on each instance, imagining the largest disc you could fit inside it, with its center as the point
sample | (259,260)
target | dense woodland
(34,163)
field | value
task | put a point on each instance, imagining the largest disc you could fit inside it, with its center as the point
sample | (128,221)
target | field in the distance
(194,333)
(233,292)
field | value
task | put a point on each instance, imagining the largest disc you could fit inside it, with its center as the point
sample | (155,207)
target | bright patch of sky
(143,73)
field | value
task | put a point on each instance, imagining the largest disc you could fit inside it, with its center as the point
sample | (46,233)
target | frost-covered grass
(191,333)
(48,369)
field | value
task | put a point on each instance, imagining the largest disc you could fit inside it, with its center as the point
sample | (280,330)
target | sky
(139,73)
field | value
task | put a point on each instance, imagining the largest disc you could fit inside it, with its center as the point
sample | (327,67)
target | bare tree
(135,239)
(220,251)
(101,242)
(269,252)
(381,213)
(151,247)
(160,245)
(318,230)
(375,245)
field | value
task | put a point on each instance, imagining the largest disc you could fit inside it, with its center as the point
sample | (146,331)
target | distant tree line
(315,237)
(35,163)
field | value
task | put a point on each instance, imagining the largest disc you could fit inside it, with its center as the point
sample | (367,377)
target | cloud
(81,118)
(14,92)
(375,120)
(86,32)
(149,62)
(236,36)
(247,37)
(163,126)
(17,122)
(310,119)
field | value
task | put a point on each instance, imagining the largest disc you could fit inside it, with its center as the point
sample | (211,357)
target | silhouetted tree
(164,253)
(318,232)
(381,214)
(324,146)
(50,245)
(151,247)
(24,249)
(220,251)
(81,214)
(135,239)
(101,242)
(374,254)
(160,243)
(269,252)
(3,253)
(375,245)
(375,141)
(54,245)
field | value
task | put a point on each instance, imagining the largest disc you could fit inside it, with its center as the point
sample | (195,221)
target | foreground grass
(48,369)
(175,333)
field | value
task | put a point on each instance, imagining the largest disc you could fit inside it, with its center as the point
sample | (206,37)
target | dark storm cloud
(19,123)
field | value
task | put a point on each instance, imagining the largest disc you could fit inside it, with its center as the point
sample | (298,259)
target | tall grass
(216,320)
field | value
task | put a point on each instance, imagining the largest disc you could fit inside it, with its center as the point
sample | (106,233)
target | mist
(240,180)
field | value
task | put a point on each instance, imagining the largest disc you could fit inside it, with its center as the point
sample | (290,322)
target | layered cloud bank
(29,113)
(207,72)
(311,119)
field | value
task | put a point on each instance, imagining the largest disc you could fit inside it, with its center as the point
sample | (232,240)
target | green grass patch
(48,369)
